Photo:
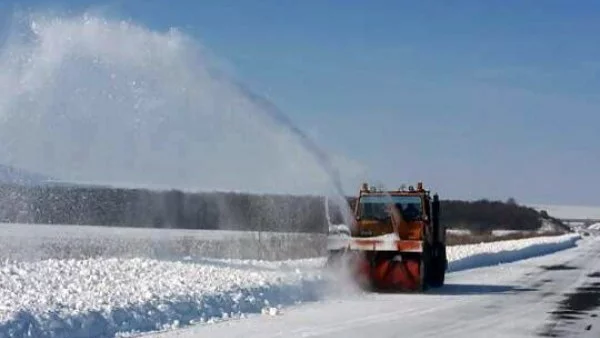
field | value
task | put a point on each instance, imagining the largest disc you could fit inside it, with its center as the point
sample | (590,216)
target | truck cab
(398,238)
(412,214)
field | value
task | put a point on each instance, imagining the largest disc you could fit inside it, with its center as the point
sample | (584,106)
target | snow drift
(471,256)
(103,297)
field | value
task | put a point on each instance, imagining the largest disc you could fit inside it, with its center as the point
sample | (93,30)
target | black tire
(437,280)
(438,267)
(425,268)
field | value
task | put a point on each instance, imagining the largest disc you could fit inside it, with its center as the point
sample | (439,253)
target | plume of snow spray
(88,99)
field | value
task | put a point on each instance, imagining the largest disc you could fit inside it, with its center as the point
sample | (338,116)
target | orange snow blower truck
(396,241)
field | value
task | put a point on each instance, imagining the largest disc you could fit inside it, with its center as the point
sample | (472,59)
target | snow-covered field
(104,296)
(34,242)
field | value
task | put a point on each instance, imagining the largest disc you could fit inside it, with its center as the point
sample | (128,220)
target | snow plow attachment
(391,246)
(380,264)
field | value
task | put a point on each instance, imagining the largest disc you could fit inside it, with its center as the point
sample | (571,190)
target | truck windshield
(376,207)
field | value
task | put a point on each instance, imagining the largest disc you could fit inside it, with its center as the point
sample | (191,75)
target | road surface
(547,296)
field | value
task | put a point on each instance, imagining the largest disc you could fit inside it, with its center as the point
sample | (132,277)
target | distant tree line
(90,205)
(485,215)
(65,204)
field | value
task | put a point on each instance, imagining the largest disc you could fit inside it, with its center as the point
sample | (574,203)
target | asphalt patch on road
(567,314)
(584,299)
(558,267)
(574,307)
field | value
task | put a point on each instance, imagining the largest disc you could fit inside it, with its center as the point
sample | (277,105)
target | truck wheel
(437,279)
(425,268)
(438,267)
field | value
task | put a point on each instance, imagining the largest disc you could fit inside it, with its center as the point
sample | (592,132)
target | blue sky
(491,99)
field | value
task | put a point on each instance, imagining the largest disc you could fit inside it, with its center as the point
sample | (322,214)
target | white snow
(527,298)
(459,232)
(595,226)
(505,232)
(105,296)
(100,297)
(339,229)
(470,256)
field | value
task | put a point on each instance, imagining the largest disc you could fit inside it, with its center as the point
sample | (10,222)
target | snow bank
(471,256)
(104,297)
(101,297)
(595,226)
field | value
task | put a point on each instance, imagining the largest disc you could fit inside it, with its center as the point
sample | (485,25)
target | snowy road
(551,295)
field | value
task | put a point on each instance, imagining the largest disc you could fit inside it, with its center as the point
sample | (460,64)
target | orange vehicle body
(396,241)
